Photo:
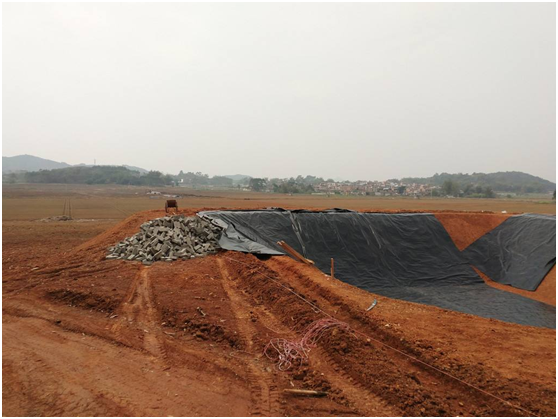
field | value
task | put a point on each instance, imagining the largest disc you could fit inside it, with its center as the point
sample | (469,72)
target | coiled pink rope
(286,352)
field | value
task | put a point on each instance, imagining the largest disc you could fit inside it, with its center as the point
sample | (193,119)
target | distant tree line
(201,179)
(476,185)
(299,184)
(94,175)
(292,187)
(257,184)
(515,182)
(452,188)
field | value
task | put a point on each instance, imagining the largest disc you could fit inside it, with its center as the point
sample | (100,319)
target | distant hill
(93,175)
(133,168)
(137,169)
(29,163)
(517,182)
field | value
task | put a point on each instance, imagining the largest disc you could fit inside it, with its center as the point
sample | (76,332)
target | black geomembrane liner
(519,252)
(404,256)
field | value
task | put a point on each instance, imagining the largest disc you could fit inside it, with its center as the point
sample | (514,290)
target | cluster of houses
(377,188)
(391,187)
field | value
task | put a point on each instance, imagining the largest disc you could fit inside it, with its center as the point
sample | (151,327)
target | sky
(353,91)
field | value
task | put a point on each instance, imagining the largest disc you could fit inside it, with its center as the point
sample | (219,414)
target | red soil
(465,228)
(84,335)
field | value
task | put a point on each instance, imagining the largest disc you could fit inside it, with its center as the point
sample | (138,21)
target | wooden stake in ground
(311,393)
(294,253)
(332,269)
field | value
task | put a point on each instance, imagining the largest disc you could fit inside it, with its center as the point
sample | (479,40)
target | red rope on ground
(391,347)
(285,352)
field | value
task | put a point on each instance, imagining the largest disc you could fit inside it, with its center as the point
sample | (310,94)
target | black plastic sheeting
(404,256)
(519,252)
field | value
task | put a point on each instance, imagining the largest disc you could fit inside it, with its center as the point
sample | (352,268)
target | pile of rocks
(169,238)
(56,218)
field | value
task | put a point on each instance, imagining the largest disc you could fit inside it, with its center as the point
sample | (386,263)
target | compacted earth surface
(83,335)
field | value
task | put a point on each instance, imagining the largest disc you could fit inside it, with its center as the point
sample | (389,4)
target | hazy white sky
(358,91)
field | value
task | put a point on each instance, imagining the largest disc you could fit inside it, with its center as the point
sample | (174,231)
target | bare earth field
(29,202)
(86,336)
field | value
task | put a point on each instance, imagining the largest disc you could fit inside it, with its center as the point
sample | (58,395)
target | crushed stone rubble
(167,239)
(56,218)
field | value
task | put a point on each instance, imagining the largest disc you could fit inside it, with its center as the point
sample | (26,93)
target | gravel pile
(56,218)
(169,238)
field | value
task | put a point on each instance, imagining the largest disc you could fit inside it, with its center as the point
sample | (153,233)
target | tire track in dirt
(360,398)
(79,322)
(54,271)
(64,394)
(388,375)
(398,368)
(458,386)
(39,277)
(138,310)
(53,372)
(85,274)
(353,393)
(357,397)
(265,396)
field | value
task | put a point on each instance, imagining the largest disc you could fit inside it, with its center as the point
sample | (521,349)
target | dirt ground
(87,336)
(29,202)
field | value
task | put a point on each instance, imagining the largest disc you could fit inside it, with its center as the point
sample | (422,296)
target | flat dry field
(87,336)
(30,202)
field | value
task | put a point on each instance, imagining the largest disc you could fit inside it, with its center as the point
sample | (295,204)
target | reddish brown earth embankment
(88,336)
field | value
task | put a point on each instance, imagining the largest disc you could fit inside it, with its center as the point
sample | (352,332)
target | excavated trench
(410,256)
